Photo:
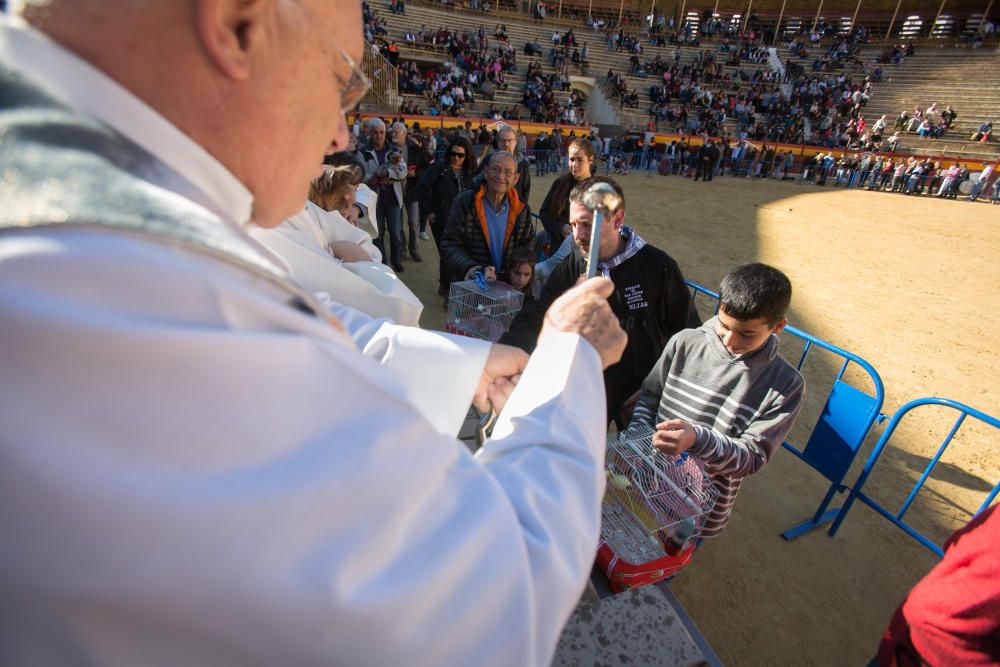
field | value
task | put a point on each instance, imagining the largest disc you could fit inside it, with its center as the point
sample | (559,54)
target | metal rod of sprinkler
(602,199)
(595,242)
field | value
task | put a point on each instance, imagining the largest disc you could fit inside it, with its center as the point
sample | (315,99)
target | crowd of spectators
(912,175)
(474,70)
(812,98)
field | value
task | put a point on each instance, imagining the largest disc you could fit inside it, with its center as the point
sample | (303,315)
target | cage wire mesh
(654,504)
(482,308)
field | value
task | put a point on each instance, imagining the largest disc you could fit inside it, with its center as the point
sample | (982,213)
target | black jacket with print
(651,301)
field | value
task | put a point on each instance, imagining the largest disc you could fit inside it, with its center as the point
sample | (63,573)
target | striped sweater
(741,408)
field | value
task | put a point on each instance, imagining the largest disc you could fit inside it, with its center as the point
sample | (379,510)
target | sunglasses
(454,154)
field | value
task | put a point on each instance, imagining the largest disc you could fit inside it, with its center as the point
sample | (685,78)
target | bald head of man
(257,83)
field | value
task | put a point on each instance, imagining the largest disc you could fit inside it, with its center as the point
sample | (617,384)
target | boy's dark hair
(576,194)
(756,290)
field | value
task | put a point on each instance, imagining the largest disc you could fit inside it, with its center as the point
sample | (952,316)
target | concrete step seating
(930,75)
(601,60)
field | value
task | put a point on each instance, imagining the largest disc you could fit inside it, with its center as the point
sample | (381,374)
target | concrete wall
(600,110)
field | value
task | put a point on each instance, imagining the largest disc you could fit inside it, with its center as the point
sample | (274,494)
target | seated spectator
(948,116)
(892,142)
(902,121)
(984,132)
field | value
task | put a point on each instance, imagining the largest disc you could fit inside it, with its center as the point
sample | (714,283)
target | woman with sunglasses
(438,187)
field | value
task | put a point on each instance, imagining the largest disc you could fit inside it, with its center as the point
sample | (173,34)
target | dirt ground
(911,285)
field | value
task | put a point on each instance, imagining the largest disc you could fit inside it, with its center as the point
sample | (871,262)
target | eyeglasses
(354,88)
(454,154)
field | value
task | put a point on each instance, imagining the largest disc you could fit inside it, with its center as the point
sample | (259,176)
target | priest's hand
(503,369)
(584,310)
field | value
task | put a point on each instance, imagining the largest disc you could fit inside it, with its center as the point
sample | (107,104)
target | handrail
(384,77)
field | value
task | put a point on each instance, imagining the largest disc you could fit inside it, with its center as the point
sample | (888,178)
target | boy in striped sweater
(722,392)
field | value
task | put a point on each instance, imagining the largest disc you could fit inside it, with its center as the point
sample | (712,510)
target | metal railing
(964,411)
(384,93)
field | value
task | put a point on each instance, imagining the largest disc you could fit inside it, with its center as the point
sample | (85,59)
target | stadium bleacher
(962,77)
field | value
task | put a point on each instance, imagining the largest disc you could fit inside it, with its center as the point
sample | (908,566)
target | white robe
(191,472)
(194,472)
(303,241)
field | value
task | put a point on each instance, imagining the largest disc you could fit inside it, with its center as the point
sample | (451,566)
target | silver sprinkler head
(602,197)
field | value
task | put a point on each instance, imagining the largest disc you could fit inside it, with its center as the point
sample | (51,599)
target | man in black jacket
(651,301)
(417,160)
(704,168)
(486,225)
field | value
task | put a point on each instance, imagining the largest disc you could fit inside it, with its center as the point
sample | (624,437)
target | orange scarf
(515,208)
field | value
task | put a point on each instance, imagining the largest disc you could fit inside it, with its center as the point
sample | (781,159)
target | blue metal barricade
(857,492)
(847,417)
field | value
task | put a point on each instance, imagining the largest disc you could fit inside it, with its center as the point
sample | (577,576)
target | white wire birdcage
(654,504)
(482,308)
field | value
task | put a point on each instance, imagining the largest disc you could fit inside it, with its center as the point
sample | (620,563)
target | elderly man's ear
(230,29)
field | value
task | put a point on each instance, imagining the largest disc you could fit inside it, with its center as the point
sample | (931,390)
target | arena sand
(910,284)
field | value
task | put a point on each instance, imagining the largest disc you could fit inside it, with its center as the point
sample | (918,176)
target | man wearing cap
(198,464)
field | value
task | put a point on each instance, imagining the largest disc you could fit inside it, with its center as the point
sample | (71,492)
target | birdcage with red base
(653,512)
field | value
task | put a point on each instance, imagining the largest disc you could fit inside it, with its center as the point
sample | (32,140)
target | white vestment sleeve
(336,227)
(193,472)
(418,357)
(441,371)
(302,242)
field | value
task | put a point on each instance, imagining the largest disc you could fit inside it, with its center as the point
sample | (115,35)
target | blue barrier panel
(897,519)
(847,416)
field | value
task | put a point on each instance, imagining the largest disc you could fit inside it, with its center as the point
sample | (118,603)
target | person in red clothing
(952,616)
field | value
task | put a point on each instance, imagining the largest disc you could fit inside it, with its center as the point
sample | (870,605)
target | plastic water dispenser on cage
(653,512)
(481,308)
